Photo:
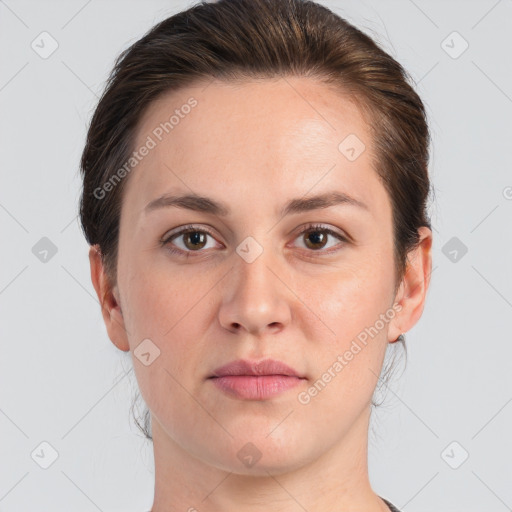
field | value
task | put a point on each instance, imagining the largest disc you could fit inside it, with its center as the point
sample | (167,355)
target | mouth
(251,380)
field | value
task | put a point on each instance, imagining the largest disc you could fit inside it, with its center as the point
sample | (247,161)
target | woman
(254,193)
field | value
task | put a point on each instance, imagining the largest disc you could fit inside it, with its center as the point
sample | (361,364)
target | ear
(413,288)
(109,301)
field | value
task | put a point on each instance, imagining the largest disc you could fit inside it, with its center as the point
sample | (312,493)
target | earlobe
(110,307)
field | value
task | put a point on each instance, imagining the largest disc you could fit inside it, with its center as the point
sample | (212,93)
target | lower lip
(255,387)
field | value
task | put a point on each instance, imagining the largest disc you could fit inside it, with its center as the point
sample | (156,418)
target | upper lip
(246,367)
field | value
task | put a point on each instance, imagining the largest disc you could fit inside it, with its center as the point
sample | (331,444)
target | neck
(335,481)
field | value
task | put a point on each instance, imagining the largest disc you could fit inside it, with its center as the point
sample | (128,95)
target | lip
(246,367)
(255,380)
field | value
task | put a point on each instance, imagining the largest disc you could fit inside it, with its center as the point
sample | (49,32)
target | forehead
(267,136)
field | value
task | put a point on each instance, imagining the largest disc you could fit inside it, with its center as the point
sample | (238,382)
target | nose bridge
(252,267)
(254,299)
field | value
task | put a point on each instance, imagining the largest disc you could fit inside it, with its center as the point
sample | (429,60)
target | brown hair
(242,39)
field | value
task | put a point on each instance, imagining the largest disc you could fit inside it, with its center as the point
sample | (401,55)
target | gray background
(62,381)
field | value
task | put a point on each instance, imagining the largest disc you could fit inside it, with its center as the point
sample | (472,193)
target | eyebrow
(207,205)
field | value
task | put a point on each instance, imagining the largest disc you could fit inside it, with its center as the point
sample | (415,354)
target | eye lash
(320,227)
(164,241)
(189,228)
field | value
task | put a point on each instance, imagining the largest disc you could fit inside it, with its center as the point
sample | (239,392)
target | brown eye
(316,238)
(190,239)
(194,239)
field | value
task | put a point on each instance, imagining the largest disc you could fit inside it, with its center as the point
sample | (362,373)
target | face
(264,271)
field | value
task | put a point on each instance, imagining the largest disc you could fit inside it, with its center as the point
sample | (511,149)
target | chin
(258,453)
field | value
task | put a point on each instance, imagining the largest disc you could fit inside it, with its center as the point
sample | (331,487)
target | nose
(255,297)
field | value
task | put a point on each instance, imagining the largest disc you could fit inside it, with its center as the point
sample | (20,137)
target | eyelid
(314,226)
(166,239)
(184,229)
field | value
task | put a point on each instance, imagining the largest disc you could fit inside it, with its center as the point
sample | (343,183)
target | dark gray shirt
(390,505)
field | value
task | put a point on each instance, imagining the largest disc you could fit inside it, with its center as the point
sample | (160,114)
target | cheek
(331,308)
(159,298)
(347,335)
(349,298)
(167,310)
(171,307)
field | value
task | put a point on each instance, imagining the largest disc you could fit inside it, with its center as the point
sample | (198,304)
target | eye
(315,237)
(191,238)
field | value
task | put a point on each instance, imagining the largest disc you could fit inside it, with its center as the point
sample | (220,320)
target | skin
(254,146)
